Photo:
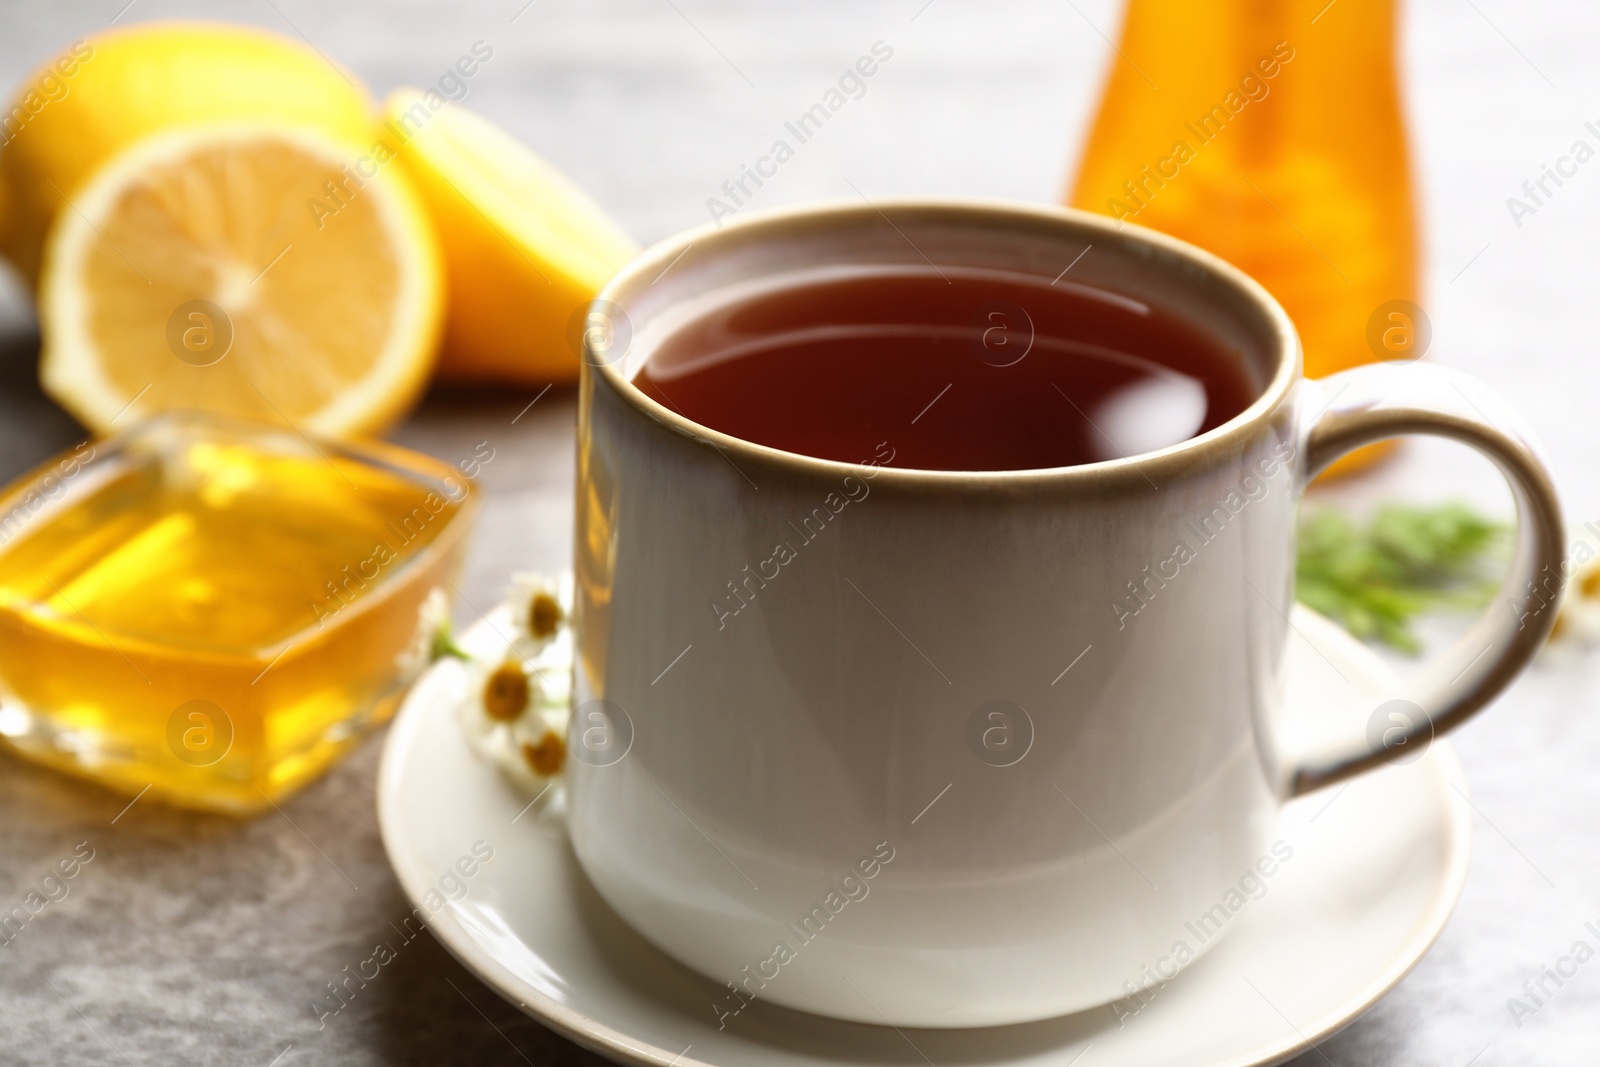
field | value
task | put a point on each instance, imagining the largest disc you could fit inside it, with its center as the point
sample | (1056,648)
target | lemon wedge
(257,270)
(524,248)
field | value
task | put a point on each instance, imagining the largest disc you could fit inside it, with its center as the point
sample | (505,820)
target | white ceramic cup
(979,748)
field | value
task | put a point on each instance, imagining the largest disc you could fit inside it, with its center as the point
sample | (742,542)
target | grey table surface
(199,940)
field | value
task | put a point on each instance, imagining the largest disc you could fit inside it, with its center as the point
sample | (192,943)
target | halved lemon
(262,271)
(525,249)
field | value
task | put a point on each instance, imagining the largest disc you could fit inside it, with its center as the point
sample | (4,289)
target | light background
(196,940)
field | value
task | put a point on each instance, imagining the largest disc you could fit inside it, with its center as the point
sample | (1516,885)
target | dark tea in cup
(967,370)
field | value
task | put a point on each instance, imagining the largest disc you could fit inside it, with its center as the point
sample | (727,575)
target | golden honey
(1271,133)
(217,610)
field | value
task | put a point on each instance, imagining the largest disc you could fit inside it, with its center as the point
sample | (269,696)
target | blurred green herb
(1375,580)
(443,643)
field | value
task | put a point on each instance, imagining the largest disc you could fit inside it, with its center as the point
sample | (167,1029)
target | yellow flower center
(505,694)
(1589,584)
(547,757)
(544,615)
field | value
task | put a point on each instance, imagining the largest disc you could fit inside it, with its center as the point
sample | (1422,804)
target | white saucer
(1376,871)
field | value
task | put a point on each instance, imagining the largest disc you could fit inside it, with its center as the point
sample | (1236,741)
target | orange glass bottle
(1270,132)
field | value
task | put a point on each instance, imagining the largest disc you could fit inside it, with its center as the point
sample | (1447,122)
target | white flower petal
(525,587)
(432,614)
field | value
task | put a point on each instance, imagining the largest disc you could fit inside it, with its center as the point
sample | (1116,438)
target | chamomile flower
(540,739)
(495,696)
(431,639)
(537,604)
(1578,617)
(511,721)
(515,704)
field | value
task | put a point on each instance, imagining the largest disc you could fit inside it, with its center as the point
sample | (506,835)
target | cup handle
(1358,407)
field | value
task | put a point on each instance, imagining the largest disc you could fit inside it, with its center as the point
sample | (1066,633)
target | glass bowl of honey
(214,610)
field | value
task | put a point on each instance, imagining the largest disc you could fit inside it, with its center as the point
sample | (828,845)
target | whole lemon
(100,95)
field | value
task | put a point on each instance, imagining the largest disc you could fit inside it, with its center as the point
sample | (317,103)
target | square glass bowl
(217,609)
